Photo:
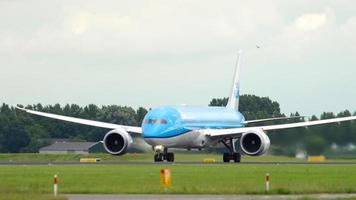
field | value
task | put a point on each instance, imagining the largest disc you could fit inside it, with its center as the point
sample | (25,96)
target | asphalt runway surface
(204,197)
(175,163)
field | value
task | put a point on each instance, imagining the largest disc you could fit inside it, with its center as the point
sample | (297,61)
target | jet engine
(254,143)
(117,142)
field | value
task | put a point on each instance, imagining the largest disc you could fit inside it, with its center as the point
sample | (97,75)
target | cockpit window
(155,121)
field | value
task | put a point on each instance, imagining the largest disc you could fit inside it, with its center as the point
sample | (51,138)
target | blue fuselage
(172,121)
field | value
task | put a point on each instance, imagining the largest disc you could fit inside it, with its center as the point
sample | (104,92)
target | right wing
(132,129)
(234,132)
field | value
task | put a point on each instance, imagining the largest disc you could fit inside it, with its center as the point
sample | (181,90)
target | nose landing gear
(162,156)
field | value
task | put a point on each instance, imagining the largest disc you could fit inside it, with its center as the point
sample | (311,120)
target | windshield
(155,121)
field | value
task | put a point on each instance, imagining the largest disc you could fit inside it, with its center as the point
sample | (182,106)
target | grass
(26,196)
(187,179)
(35,182)
(145,157)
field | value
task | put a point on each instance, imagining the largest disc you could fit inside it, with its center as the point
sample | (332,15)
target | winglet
(235,88)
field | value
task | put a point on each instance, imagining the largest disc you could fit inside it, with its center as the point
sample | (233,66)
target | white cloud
(80,23)
(120,42)
(310,22)
(83,21)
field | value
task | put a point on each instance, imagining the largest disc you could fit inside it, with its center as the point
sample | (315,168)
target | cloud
(303,37)
(310,22)
(184,43)
(84,21)
(169,27)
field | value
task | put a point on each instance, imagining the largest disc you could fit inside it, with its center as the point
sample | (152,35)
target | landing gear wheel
(164,155)
(233,154)
(170,157)
(226,157)
(236,157)
(158,157)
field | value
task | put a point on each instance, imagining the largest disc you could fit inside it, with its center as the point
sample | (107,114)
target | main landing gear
(165,155)
(232,154)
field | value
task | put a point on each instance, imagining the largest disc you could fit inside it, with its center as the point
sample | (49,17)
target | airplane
(193,127)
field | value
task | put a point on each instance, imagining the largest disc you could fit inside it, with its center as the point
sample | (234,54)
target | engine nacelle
(117,141)
(254,143)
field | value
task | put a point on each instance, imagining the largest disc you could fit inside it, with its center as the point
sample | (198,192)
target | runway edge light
(55,185)
(267,182)
(165,178)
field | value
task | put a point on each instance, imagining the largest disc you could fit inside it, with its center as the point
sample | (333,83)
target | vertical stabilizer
(235,88)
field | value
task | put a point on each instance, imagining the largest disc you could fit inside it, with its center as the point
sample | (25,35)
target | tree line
(23,132)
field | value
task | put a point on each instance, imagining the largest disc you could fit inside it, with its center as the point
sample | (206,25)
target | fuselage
(176,126)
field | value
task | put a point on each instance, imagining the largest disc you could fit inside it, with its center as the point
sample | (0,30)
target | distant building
(53,140)
(73,148)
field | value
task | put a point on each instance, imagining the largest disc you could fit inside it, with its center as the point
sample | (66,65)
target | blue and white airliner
(191,127)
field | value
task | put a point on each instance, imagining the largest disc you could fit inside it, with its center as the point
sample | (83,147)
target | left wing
(235,132)
(272,119)
(132,129)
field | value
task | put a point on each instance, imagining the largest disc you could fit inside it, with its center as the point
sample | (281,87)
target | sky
(157,52)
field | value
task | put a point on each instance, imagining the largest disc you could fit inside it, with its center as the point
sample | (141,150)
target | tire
(226,157)
(237,157)
(158,158)
(170,157)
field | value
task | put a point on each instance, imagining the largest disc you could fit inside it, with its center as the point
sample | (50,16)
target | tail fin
(235,89)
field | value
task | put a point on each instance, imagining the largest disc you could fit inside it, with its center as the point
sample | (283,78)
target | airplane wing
(132,129)
(271,119)
(235,132)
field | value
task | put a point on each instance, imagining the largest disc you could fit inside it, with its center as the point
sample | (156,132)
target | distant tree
(90,111)
(13,137)
(353,130)
(118,115)
(344,131)
(219,102)
(252,106)
(315,145)
(287,141)
(140,114)
(37,135)
(329,131)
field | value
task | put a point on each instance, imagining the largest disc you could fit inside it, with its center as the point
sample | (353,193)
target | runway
(175,163)
(204,197)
